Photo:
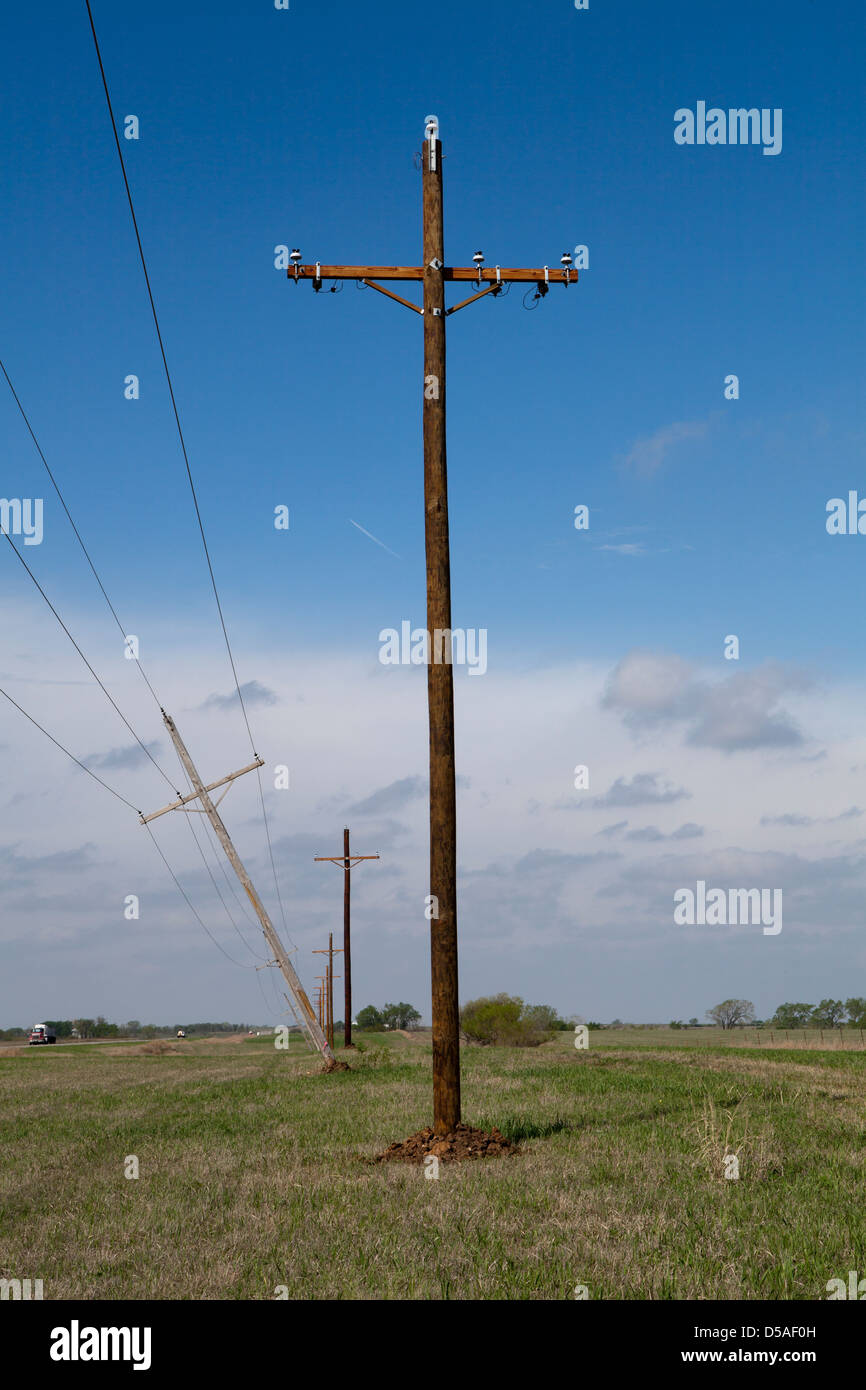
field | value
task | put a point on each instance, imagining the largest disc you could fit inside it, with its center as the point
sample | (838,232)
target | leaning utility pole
(201,793)
(348,862)
(440,691)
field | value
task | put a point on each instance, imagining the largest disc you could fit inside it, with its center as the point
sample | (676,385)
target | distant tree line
(101,1028)
(373,1020)
(830,1013)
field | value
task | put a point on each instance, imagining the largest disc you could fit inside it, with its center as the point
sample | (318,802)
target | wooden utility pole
(304,1008)
(330,953)
(434,275)
(320,997)
(348,862)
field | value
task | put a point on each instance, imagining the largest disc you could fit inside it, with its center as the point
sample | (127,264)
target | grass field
(255,1172)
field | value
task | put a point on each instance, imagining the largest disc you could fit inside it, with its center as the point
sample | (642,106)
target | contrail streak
(374,538)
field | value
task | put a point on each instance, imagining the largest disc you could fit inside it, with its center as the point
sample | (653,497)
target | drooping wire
(102,687)
(122,630)
(218,890)
(168,377)
(92,774)
(180,888)
(182,440)
(59,745)
(117,620)
(78,537)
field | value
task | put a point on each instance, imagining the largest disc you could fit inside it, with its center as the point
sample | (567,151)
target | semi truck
(41,1033)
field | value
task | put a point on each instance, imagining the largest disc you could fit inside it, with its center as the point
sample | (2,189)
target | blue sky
(261,127)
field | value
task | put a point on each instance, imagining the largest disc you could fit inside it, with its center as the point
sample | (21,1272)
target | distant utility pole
(434,275)
(330,953)
(304,1008)
(348,862)
(320,1008)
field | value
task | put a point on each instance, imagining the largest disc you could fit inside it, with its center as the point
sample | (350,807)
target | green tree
(370,1020)
(61,1027)
(505,1020)
(792,1016)
(828,1014)
(400,1016)
(856,1011)
(731,1013)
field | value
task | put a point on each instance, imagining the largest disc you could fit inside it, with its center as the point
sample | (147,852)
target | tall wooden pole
(347,949)
(348,862)
(331,988)
(440,685)
(434,275)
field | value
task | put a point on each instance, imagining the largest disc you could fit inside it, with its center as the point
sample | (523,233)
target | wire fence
(852,1039)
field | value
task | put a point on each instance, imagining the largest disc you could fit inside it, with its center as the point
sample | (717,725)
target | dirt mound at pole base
(462,1142)
(334,1064)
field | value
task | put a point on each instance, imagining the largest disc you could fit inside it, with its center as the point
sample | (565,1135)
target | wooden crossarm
(416,272)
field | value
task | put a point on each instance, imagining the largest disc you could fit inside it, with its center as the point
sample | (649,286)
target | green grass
(256,1172)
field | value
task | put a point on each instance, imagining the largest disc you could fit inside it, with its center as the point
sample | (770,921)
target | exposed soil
(335,1065)
(463,1142)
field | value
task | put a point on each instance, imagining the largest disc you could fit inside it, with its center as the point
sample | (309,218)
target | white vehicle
(40,1033)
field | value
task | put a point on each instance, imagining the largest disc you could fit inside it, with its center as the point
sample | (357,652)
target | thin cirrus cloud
(741,711)
(647,455)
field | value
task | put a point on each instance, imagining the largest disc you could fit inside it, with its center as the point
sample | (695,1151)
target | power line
(122,629)
(241,964)
(191,824)
(183,444)
(102,687)
(59,745)
(168,377)
(91,773)
(78,537)
(117,794)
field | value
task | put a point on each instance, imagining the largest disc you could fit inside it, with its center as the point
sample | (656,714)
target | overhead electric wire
(241,964)
(122,629)
(59,745)
(183,446)
(217,888)
(102,687)
(168,376)
(78,536)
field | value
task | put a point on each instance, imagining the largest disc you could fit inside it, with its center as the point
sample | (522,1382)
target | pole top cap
(431,127)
